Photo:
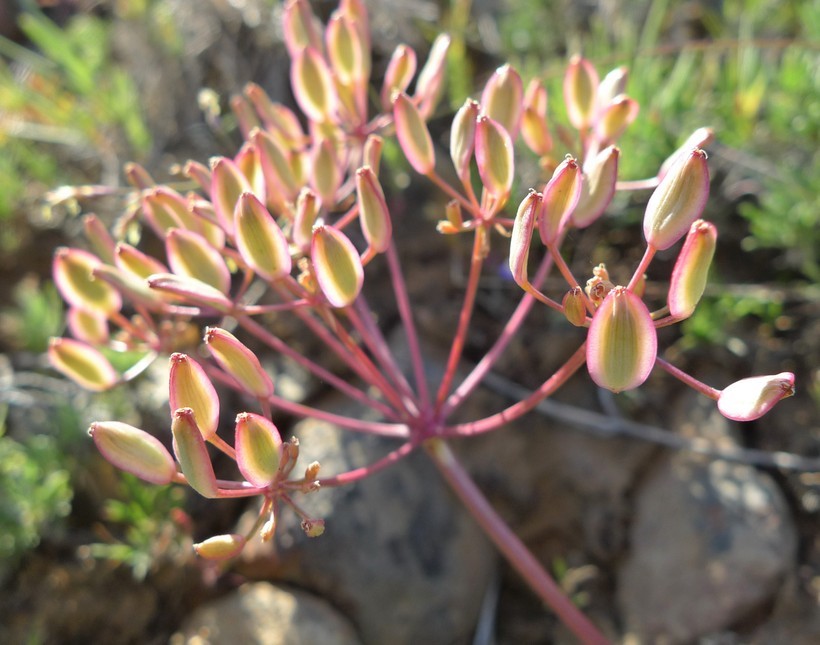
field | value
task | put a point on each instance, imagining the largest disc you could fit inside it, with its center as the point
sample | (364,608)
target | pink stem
(491,357)
(691,381)
(642,266)
(365,471)
(406,314)
(476,262)
(511,547)
(516,410)
(638,184)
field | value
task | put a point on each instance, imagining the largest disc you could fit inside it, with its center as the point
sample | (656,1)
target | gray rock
(710,542)
(399,556)
(265,614)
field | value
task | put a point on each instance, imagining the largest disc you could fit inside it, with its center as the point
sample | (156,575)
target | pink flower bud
(192,453)
(250,164)
(164,209)
(327,172)
(400,71)
(700,138)
(462,138)
(561,194)
(101,241)
(190,255)
(134,288)
(189,387)
(138,176)
(431,76)
(622,343)
(574,307)
(502,99)
(348,55)
(190,290)
(221,547)
(87,326)
(135,262)
(691,269)
(677,201)
(312,85)
(227,184)
(373,213)
(245,114)
(73,274)
(301,27)
(276,163)
(260,241)
(277,118)
(751,398)
(534,119)
(580,88)
(612,85)
(597,188)
(82,363)
(413,135)
(494,157)
(615,117)
(134,451)
(258,445)
(373,152)
(521,236)
(239,362)
(307,210)
(337,265)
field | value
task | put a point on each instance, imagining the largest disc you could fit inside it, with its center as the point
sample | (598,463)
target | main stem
(510,545)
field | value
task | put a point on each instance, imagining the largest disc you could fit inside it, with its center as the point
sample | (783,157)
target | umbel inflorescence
(279,214)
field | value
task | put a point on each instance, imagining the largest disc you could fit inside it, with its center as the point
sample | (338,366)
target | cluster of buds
(279,214)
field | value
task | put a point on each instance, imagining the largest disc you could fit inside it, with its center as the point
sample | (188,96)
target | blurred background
(86,86)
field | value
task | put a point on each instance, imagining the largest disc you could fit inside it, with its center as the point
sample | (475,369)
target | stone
(261,613)
(710,543)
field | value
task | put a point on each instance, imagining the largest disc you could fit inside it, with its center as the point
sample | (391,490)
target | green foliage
(37,315)
(716,317)
(148,534)
(36,491)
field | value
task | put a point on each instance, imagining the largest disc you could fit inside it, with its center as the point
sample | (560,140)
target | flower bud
(189,387)
(312,85)
(400,71)
(574,307)
(612,85)
(349,59)
(534,119)
(502,99)
(561,195)
(245,115)
(192,453)
(73,274)
(431,76)
(249,162)
(327,172)
(373,213)
(221,547)
(301,27)
(307,210)
(677,201)
(198,173)
(82,363)
(622,343)
(414,137)
(134,451)
(190,255)
(313,528)
(260,241)
(751,398)
(88,326)
(462,139)
(373,152)
(494,157)
(257,448)
(615,117)
(138,176)
(164,209)
(238,361)
(700,138)
(101,241)
(521,237)
(691,269)
(337,265)
(580,90)
(227,184)
(277,118)
(190,290)
(136,263)
(597,188)
(277,166)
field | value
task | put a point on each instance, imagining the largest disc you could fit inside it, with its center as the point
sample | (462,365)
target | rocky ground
(664,521)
